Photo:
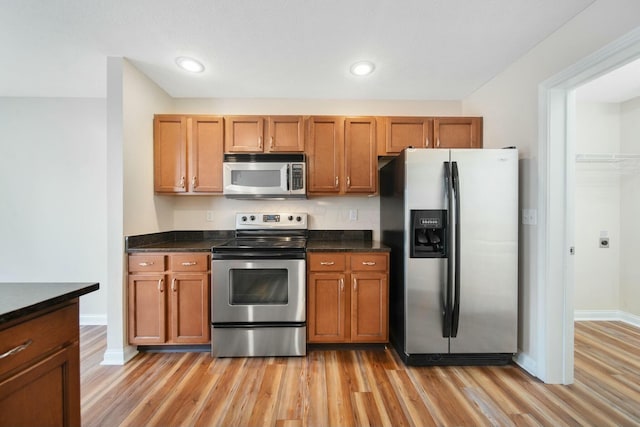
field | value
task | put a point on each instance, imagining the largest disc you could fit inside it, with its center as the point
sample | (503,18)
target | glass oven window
(256,178)
(260,286)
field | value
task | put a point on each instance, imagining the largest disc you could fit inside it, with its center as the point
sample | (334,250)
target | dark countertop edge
(48,302)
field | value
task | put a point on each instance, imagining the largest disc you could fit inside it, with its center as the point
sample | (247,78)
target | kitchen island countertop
(21,299)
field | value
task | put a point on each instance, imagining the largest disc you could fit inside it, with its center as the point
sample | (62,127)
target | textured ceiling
(423,49)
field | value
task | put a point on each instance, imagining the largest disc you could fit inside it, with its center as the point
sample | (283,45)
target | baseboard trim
(119,356)
(526,363)
(93,319)
(607,315)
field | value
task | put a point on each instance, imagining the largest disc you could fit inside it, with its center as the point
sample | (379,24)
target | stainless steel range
(258,305)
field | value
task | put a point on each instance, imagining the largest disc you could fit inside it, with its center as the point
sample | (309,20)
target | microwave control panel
(297,176)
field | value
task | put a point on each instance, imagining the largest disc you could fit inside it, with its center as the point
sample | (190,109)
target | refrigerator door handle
(456,302)
(447,297)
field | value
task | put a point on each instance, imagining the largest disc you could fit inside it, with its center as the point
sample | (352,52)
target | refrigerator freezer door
(488,182)
(424,278)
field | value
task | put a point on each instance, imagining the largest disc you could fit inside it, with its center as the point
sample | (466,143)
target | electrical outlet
(529,216)
(353,215)
(209,216)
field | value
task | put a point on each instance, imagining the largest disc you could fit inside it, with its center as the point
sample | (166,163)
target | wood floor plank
(360,387)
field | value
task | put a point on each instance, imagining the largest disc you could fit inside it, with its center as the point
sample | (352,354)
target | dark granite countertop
(177,241)
(21,299)
(203,241)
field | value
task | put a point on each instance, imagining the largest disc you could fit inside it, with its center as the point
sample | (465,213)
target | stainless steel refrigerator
(451,220)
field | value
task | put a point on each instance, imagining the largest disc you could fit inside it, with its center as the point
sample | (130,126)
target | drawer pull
(145,263)
(189,263)
(368,263)
(327,263)
(17,349)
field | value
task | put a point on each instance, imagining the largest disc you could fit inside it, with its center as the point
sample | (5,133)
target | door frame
(556,174)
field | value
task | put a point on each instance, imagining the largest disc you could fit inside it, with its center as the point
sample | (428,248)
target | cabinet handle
(189,263)
(182,182)
(145,263)
(327,263)
(17,349)
(173,284)
(427,142)
(438,142)
(260,142)
(193,181)
(341,284)
(368,263)
(160,285)
(271,144)
(337,181)
(348,181)
(355,284)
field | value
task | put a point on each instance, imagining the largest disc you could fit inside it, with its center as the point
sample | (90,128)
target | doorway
(556,172)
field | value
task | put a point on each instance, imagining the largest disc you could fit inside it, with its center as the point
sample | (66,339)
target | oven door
(258,291)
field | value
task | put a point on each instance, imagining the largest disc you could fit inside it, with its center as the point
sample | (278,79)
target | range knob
(298,218)
(252,217)
(244,218)
(290,217)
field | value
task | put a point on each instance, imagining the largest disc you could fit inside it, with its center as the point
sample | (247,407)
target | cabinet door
(326,308)
(206,148)
(361,164)
(244,134)
(369,307)
(404,132)
(147,308)
(457,132)
(189,314)
(285,134)
(44,394)
(324,155)
(169,153)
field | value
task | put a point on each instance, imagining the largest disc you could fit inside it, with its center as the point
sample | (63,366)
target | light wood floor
(360,388)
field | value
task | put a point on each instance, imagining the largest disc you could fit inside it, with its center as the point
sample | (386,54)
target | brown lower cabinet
(169,298)
(347,297)
(40,385)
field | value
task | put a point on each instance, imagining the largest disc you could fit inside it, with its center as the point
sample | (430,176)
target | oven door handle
(253,254)
(258,325)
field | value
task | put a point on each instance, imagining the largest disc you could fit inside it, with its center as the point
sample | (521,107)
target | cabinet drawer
(369,262)
(189,262)
(38,337)
(321,261)
(140,263)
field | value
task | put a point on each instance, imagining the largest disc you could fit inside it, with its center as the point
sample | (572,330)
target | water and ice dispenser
(429,234)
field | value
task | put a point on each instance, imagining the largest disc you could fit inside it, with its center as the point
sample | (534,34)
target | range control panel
(279,220)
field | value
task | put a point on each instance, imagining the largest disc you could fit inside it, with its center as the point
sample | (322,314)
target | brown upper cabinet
(188,154)
(268,134)
(341,155)
(431,132)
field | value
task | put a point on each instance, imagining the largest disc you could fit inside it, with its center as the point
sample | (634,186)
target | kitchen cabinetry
(169,298)
(40,370)
(347,297)
(431,132)
(270,134)
(341,155)
(188,154)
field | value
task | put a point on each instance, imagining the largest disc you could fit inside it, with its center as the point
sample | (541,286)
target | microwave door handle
(288,177)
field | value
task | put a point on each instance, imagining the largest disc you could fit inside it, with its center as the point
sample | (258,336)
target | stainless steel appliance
(451,220)
(264,176)
(258,305)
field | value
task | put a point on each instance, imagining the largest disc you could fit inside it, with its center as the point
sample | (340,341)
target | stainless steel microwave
(264,176)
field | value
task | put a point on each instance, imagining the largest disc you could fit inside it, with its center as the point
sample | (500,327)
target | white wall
(597,209)
(630,211)
(509,104)
(53,175)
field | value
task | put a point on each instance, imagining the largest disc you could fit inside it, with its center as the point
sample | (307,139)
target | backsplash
(327,213)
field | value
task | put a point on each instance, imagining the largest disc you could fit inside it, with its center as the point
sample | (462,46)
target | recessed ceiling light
(362,68)
(189,64)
